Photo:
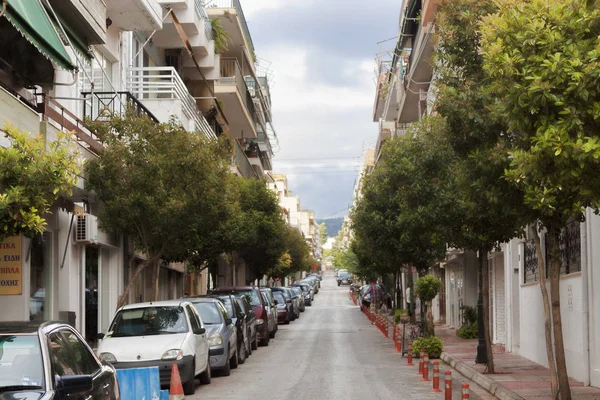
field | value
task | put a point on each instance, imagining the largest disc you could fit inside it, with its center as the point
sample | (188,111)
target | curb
(487,383)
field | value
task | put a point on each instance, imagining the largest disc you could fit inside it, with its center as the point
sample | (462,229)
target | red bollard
(387,328)
(465,391)
(421,355)
(436,377)
(410,363)
(425,368)
(448,385)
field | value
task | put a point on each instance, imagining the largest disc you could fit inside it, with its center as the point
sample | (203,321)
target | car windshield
(149,321)
(209,313)
(279,297)
(228,305)
(251,293)
(21,362)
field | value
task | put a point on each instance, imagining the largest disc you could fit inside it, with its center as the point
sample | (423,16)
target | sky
(322,57)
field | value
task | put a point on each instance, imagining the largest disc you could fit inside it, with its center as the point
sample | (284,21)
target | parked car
(283,308)
(258,304)
(268,296)
(238,317)
(159,334)
(344,278)
(295,301)
(51,360)
(313,282)
(364,299)
(248,310)
(221,332)
(300,295)
(288,300)
(306,292)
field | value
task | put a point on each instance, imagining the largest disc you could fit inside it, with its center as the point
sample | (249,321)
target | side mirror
(199,331)
(67,385)
(275,302)
(228,321)
(100,335)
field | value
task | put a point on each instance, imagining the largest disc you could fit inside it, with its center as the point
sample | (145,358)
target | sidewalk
(515,378)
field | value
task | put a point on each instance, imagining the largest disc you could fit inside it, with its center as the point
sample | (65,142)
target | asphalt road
(330,352)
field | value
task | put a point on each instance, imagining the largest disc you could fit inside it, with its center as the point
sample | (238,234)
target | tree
(543,61)
(161,186)
(33,175)
(427,287)
(491,207)
(323,232)
(260,229)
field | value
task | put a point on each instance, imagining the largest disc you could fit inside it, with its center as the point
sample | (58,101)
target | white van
(159,334)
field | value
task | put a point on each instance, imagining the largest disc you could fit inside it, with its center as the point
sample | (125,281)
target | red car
(257,302)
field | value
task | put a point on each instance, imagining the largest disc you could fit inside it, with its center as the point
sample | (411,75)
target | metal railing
(238,7)
(241,161)
(232,73)
(202,14)
(165,83)
(104,104)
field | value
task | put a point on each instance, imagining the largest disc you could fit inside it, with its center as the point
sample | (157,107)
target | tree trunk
(156,279)
(487,328)
(131,281)
(559,347)
(547,314)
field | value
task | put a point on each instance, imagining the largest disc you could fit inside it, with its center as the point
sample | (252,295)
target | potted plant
(252,149)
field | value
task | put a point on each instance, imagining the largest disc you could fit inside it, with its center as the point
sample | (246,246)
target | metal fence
(202,14)
(104,104)
(241,161)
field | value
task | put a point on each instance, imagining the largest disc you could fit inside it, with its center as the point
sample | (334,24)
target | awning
(32,21)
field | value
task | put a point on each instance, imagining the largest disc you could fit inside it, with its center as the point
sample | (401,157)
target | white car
(159,334)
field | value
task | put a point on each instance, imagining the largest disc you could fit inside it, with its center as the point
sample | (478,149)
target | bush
(469,315)
(468,331)
(398,314)
(432,345)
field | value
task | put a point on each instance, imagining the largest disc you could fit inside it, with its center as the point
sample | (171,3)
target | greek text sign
(11,266)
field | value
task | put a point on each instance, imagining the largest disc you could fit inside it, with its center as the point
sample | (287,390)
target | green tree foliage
(323,232)
(427,287)
(407,201)
(260,229)
(220,35)
(490,206)
(161,186)
(33,175)
(543,61)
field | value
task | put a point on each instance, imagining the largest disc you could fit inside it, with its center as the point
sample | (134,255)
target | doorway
(91,294)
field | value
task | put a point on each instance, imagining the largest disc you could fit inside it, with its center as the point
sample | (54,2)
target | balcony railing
(103,104)
(202,14)
(238,7)
(165,83)
(241,161)
(232,73)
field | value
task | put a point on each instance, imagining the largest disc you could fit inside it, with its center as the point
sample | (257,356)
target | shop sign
(11,266)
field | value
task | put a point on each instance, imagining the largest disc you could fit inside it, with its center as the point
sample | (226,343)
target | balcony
(238,103)
(103,104)
(86,17)
(234,22)
(241,164)
(135,15)
(194,22)
(162,91)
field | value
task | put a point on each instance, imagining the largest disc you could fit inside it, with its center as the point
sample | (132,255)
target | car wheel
(226,370)
(255,341)
(265,342)
(339,283)
(189,387)
(206,376)
(272,334)
(242,353)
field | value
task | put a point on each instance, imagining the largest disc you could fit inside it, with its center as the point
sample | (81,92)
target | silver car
(221,333)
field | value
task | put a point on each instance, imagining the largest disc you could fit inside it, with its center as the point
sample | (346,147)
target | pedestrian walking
(376,298)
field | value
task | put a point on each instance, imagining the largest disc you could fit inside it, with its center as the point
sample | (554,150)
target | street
(331,352)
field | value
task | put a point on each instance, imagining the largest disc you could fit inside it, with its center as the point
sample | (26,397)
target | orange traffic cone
(175,389)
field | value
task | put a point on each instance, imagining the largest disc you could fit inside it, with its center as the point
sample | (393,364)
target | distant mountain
(334,225)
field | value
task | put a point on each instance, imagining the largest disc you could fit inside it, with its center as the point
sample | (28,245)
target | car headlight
(173,354)
(260,321)
(108,357)
(215,339)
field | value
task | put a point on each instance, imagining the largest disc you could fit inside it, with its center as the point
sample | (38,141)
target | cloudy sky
(322,55)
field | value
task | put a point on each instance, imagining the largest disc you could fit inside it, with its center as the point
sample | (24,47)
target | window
(40,278)
(223,311)
(228,305)
(83,357)
(209,313)
(21,361)
(149,321)
(62,359)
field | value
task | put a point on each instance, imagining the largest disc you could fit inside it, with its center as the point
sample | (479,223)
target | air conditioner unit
(87,229)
